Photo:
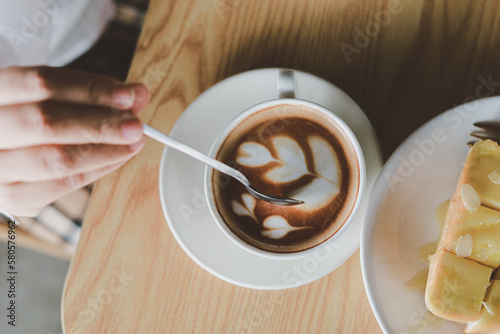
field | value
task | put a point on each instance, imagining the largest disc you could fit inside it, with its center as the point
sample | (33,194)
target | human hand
(61,130)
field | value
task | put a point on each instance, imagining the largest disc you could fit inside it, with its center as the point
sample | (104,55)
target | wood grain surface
(403,62)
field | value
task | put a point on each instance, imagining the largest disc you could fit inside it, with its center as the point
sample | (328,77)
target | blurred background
(46,243)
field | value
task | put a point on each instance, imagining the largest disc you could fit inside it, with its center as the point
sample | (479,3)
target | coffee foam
(294,151)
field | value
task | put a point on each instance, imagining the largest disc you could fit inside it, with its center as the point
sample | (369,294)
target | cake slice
(457,284)
(482,171)
(489,321)
(456,287)
(473,234)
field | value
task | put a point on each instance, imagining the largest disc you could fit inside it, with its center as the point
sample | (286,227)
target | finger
(49,162)
(32,84)
(141,98)
(54,122)
(28,199)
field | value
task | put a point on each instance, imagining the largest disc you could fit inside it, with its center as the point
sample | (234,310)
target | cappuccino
(295,151)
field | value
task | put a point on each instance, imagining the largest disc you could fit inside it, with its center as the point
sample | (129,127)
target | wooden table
(402,61)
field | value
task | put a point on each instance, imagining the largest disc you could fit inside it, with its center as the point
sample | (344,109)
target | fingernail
(124,97)
(141,98)
(137,146)
(141,95)
(131,129)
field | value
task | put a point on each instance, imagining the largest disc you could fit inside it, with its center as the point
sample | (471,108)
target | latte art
(274,227)
(292,165)
(285,150)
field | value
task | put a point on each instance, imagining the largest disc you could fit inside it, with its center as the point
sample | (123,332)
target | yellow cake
(456,287)
(489,321)
(481,166)
(474,235)
(469,248)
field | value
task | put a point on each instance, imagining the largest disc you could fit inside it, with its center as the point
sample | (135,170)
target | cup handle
(287,84)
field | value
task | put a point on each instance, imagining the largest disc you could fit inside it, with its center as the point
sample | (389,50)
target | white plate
(181,182)
(421,174)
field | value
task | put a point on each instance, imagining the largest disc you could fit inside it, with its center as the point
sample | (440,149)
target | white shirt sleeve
(50,32)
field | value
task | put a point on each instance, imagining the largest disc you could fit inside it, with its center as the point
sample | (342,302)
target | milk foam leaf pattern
(247,208)
(316,194)
(253,154)
(276,227)
(292,158)
(283,174)
(325,161)
(250,202)
(239,209)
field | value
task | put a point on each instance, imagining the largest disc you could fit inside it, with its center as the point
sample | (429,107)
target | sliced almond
(495,176)
(470,198)
(489,307)
(464,246)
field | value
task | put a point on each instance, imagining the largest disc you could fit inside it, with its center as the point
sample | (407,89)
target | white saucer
(181,182)
(400,216)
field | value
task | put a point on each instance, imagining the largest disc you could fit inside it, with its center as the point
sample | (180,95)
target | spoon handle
(177,145)
(215,164)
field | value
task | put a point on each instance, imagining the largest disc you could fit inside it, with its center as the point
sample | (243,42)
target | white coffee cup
(287,92)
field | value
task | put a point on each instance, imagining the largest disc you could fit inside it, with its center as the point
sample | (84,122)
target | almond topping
(464,246)
(489,307)
(495,176)
(470,198)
